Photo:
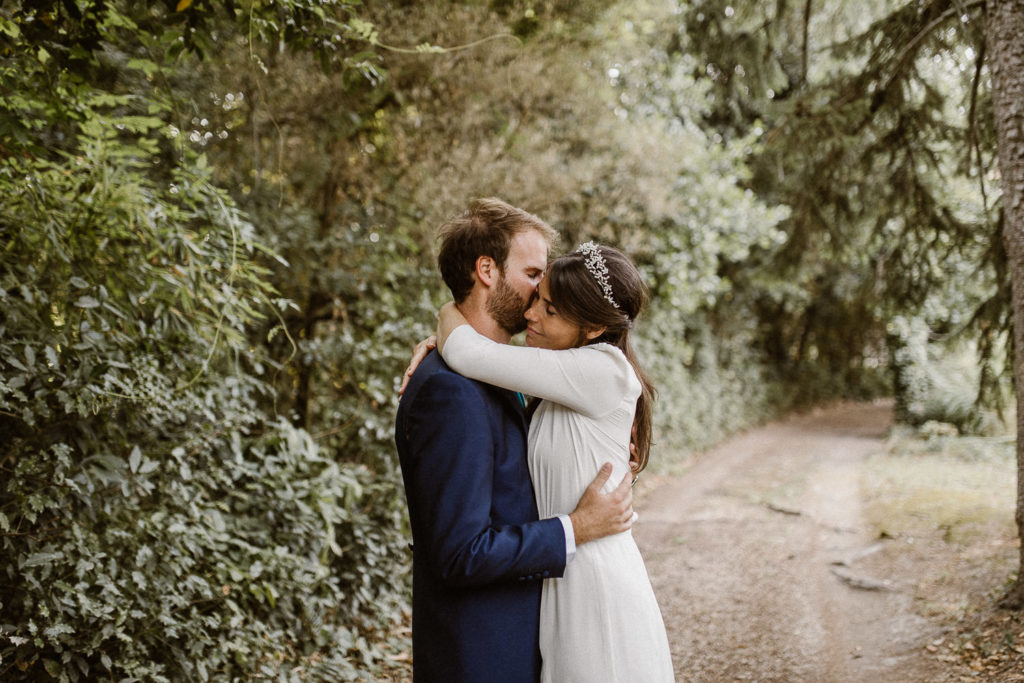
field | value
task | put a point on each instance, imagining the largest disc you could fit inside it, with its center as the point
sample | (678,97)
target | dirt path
(765,569)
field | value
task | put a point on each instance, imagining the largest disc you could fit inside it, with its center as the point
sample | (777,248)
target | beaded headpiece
(598,268)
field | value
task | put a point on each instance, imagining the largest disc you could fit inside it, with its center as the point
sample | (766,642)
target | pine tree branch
(972,127)
(909,50)
(804,48)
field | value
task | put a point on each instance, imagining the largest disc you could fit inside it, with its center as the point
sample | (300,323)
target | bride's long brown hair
(577,295)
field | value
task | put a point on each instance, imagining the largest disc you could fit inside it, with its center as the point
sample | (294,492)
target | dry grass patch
(947,503)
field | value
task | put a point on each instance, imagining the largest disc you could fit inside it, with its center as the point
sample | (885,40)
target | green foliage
(158,520)
(938,380)
(351,202)
(710,384)
(882,147)
(188,565)
(156,524)
(84,328)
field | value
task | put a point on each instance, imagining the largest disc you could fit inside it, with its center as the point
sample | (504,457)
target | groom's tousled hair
(486,228)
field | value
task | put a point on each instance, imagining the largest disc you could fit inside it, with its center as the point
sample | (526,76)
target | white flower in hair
(597,267)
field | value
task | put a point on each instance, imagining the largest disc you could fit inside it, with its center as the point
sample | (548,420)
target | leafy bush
(156,522)
(941,380)
(183,566)
(708,386)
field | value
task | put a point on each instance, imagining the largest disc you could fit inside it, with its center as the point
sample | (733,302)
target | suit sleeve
(590,380)
(451,445)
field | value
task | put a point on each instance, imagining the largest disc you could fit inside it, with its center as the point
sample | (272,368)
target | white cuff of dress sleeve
(570,538)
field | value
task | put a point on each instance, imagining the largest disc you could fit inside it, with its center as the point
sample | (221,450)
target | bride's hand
(418,354)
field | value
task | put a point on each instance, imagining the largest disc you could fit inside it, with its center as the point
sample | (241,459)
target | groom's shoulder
(433,376)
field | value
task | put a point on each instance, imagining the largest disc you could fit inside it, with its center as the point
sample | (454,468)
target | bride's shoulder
(608,349)
(613,357)
(608,355)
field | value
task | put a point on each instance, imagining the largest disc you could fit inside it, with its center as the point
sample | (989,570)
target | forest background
(218,250)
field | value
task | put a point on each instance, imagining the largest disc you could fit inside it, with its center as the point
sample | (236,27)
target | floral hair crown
(597,267)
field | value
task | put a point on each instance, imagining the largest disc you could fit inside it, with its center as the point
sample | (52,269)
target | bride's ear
(595,332)
(487,271)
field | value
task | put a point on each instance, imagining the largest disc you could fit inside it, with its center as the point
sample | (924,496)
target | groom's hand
(602,514)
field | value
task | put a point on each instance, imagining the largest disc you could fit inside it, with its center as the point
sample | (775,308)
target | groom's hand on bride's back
(602,514)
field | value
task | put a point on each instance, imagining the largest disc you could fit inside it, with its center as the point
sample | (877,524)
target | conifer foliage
(892,131)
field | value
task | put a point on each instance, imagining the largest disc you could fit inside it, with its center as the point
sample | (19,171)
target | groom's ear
(486,271)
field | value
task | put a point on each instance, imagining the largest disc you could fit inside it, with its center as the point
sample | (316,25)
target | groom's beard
(507,308)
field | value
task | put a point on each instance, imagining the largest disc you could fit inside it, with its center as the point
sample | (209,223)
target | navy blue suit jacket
(479,552)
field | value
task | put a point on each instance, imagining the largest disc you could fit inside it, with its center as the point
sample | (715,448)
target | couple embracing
(524,566)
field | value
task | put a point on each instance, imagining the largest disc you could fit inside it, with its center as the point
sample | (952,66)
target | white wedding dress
(600,621)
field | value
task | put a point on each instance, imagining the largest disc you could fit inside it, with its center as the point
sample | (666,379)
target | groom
(479,551)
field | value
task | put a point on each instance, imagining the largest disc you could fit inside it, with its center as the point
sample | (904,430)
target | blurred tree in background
(218,233)
(544,117)
(879,131)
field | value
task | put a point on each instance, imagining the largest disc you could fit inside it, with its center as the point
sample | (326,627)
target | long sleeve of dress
(591,379)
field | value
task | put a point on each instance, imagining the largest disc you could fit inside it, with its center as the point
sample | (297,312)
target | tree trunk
(1004,26)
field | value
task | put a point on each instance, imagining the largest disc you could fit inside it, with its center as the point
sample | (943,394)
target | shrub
(155,523)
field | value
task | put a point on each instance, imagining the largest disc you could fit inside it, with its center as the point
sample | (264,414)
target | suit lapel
(512,402)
